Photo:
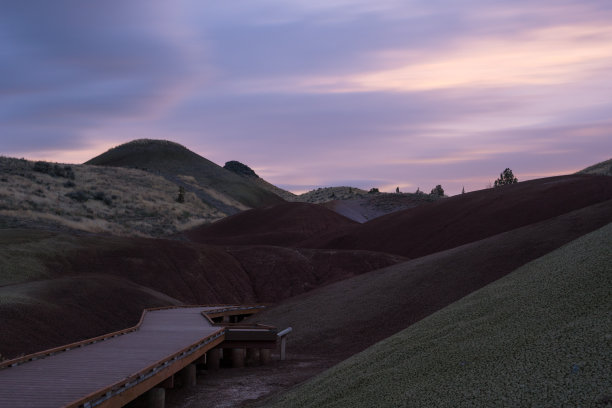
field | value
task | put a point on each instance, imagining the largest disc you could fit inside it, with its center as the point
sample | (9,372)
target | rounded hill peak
(240,169)
(215,185)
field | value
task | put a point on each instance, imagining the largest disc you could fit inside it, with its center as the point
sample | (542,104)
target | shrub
(373,191)
(80,195)
(54,170)
(100,196)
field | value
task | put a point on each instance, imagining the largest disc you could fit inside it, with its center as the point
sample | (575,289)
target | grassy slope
(537,337)
(212,183)
(138,203)
(346,317)
(323,195)
(604,169)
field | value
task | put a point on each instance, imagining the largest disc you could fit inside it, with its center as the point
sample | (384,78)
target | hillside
(602,169)
(285,224)
(537,337)
(57,288)
(368,308)
(469,217)
(370,206)
(95,199)
(326,194)
(248,174)
(214,185)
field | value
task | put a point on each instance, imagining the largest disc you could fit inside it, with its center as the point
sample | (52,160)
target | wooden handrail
(108,392)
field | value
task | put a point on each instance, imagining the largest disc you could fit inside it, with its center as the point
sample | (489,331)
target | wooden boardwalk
(64,379)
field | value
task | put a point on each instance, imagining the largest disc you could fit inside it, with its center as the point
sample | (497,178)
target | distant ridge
(213,184)
(465,218)
(603,168)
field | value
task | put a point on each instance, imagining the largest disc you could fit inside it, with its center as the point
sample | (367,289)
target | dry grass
(104,199)
(603,169)
(323,195)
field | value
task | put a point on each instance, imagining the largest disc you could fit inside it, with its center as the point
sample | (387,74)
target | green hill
(538,337)
(216,186)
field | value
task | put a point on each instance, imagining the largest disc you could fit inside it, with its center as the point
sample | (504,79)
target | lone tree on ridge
(438,191)
(506,177)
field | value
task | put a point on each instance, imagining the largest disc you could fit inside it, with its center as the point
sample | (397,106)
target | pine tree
(506,177)
(438,190)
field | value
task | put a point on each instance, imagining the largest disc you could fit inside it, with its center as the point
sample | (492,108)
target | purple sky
(316,93)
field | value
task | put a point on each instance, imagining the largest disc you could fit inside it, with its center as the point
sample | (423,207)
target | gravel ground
(541,336)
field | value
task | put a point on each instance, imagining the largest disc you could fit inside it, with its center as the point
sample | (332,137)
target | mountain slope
(603,169)
(538,337)
(95,199)
(284,225)
(341,319)
(216,186)
(469,217)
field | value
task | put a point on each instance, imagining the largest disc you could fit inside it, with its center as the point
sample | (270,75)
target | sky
(313,93)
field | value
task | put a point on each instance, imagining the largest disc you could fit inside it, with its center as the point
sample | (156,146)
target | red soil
(285,225)
(470,217)
(277,273)
(100,284)
(344,318)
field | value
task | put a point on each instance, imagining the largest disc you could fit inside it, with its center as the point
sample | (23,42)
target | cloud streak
(314,93)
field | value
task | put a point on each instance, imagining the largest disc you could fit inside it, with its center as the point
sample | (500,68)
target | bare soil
(241,387)
(284,225)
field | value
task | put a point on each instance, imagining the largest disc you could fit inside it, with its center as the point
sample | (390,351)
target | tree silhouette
(438,190)
(506,177)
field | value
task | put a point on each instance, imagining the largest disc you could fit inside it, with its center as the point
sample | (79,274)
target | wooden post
(237,357)
(156,397)
(283,354)
(168,383)
(264,356)
(188,376)
(252,356)
(283,336)
(213,359)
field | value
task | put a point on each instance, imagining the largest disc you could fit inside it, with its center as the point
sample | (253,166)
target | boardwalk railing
(136,384)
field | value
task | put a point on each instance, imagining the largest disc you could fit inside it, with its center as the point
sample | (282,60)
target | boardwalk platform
(114,371)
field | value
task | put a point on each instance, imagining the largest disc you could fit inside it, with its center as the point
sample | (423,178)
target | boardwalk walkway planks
(66,377)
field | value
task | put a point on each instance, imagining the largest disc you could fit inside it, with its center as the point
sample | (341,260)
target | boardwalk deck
(61,379)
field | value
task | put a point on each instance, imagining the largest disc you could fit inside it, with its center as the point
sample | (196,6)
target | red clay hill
(470,217)
(414,232)
(72,286)
(285,224)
